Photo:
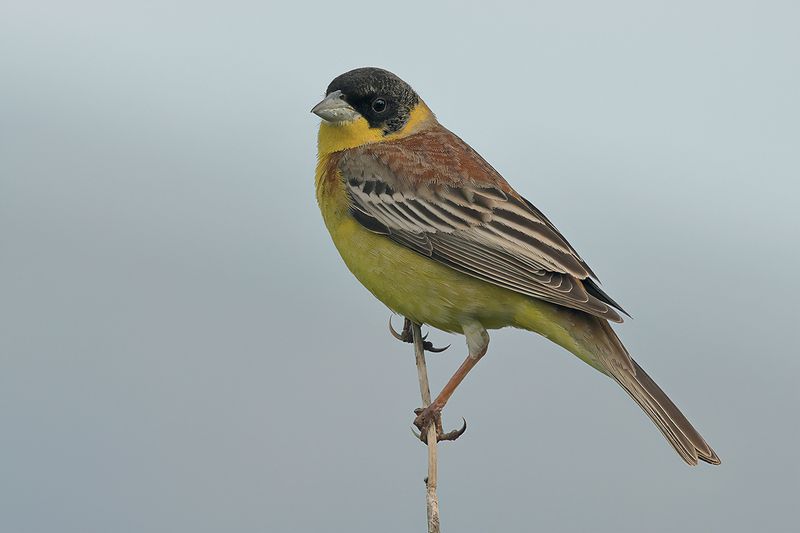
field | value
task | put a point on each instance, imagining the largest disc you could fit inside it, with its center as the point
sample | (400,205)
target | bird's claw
(426,417)
(429,347)
(407,336)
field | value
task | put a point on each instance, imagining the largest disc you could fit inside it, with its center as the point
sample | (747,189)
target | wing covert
(479,227)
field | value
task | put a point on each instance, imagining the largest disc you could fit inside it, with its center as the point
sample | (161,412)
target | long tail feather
(595,342)
(670,420)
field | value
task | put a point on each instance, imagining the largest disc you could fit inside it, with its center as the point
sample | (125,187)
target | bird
(434,232)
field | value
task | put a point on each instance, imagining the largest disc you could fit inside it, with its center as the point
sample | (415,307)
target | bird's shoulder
(433,158)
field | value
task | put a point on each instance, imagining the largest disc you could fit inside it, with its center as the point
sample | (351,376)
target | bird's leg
(478,343)
(406,336)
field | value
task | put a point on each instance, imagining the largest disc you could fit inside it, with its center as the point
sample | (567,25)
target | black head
(379,96)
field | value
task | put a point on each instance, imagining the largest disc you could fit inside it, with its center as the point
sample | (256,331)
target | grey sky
(183,350)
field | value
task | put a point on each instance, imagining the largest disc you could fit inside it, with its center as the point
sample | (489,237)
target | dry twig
(422,371)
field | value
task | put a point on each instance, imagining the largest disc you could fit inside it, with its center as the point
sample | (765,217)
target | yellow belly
(420,288)
(410,284)
(430,293)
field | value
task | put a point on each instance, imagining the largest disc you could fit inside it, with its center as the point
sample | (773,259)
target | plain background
(181,348)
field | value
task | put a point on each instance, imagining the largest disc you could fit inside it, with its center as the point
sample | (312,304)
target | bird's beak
(333,108)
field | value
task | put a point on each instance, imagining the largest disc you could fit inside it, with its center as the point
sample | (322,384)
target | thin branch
(422,371)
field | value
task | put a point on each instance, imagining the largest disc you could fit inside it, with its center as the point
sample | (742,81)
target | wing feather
(473,222)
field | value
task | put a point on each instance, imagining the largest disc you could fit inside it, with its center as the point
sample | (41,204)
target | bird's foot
(407,336)
(432,415)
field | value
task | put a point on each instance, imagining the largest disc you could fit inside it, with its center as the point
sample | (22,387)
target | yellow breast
(409,284)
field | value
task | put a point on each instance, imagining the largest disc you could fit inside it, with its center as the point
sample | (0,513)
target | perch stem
(432,499)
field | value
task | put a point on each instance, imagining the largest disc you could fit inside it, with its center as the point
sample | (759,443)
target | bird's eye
(379,105)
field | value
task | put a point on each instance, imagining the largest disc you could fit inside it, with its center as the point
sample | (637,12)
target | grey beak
(333,108)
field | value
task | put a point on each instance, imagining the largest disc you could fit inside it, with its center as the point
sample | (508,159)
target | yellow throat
(335,137)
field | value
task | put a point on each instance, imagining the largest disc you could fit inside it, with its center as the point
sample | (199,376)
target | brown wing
(434,194)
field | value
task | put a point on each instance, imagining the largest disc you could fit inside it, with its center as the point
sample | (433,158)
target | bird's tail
(593,340)
(672,423)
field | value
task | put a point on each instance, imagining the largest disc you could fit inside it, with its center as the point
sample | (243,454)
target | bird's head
(369,105)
